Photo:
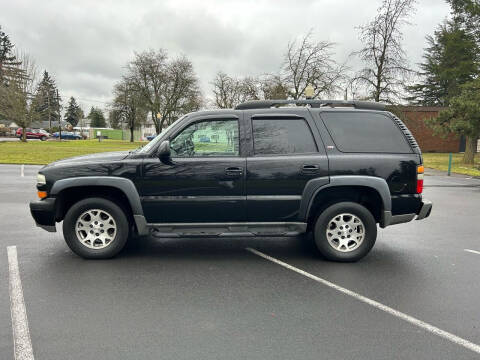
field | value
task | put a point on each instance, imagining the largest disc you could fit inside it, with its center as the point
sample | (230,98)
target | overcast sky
(85,44)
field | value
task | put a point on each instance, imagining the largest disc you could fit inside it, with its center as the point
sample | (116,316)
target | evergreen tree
(73,113)
(48,100)
(463,117)
(10,66)
(450,70)
(450,60)
(97,120)
(467,12)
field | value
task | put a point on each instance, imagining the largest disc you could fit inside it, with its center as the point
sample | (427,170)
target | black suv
(266,168)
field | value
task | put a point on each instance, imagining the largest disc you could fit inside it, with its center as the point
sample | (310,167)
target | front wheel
(43,138)
(345,232)
(95,228)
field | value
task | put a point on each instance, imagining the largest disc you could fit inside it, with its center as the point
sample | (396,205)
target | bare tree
(230,91)
(180,93)
(128,106)
(308,62)
(272,87)
(16,99)
(169,88)
(385,68)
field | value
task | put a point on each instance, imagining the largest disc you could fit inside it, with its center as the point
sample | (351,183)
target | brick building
(414,117)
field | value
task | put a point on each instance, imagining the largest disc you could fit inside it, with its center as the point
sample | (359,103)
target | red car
(34,134)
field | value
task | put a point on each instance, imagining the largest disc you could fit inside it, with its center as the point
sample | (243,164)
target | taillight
(420,170)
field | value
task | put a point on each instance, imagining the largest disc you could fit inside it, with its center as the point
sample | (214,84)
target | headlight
(41,179)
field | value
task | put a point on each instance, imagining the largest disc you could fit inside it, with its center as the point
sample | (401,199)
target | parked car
(68,135)
(332,168)
(151,137)
(33,134)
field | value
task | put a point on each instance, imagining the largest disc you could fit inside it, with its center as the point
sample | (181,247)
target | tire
(43,138)
(80,238)
(351,234)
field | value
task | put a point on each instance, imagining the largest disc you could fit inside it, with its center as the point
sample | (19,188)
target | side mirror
(164,151)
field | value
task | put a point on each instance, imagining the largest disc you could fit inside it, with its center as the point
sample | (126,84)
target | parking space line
(472,251)
(22,170)
(412,320)
(21,334)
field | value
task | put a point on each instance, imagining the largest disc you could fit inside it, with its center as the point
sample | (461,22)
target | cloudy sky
(85,44)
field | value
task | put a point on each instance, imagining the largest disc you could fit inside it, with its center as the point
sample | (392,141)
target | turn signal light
(42,194)
(420,170)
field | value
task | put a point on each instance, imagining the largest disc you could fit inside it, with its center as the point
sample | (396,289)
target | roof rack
(265,104)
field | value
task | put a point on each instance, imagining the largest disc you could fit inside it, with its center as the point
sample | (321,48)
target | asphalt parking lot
(214,299)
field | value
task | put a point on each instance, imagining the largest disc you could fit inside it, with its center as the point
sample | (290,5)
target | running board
(239,229)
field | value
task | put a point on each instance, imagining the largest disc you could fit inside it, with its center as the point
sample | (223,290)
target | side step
(240,229)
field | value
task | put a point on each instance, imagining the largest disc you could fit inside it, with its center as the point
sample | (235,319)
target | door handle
(234,171)
(310,169)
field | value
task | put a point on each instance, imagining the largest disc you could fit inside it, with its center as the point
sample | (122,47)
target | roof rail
(265,104)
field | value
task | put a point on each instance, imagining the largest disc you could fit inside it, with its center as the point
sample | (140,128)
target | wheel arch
(120,190)
(372,192)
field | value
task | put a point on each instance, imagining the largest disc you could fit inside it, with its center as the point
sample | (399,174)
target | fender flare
(123,184)
(314,186)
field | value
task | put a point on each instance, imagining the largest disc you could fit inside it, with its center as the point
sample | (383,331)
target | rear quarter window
(365,132)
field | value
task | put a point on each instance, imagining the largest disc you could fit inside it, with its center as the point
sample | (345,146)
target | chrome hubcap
(345,232)
(95,229)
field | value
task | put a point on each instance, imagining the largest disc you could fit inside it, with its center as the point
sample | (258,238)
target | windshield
(158,139)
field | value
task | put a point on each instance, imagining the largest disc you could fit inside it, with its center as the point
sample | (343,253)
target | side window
(282,136)
(207,138)
(365,132)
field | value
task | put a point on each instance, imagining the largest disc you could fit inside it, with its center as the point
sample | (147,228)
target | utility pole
(49,118)
(59,119)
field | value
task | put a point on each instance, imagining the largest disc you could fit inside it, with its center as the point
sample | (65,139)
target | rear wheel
(345,232)
(95,228)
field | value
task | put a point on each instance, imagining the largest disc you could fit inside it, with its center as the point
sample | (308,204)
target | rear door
(285,153)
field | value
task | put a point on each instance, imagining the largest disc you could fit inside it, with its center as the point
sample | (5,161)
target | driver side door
(205,180)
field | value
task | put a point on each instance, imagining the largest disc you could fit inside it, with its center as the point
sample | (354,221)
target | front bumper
(43,212)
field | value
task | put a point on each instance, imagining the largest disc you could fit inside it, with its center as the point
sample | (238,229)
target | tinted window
(365,132)
(207,138)
(283,136)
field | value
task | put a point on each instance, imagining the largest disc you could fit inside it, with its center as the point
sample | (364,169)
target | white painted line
(472,251)
(21,335)
(22,170)
(430,328)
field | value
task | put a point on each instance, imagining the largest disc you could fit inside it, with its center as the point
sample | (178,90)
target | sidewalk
(439,178)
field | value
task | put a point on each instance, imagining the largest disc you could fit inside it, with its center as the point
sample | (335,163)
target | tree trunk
(155,122)
(24,135)
(470,150)
(131,134)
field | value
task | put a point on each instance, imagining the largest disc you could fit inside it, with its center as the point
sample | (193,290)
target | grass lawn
(44,152)
(439,161)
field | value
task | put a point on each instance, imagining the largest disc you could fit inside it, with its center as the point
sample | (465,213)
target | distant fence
(115,134)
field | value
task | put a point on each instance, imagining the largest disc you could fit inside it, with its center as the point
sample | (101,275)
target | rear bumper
(423,212)
(43,212)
